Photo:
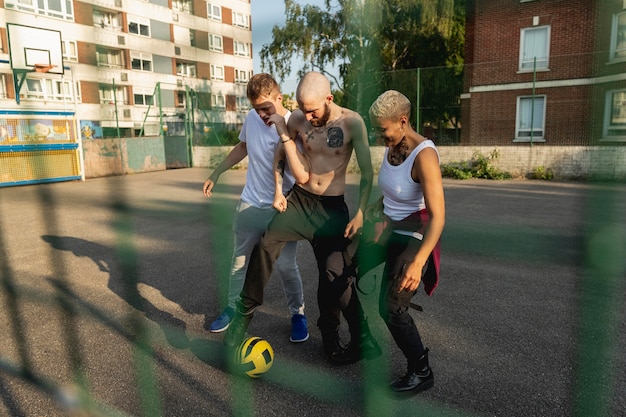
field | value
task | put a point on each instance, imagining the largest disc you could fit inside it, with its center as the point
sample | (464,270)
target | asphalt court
(528,319)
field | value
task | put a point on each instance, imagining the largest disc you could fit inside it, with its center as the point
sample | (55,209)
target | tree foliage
(372,42)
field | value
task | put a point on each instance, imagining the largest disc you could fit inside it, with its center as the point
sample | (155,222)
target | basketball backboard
(30,47)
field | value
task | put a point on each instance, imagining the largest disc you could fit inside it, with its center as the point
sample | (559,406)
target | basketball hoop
(43,67)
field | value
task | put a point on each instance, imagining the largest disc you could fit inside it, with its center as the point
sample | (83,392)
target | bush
(542,173)
(479,166)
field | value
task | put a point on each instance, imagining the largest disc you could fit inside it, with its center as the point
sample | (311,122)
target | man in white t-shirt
(258,140)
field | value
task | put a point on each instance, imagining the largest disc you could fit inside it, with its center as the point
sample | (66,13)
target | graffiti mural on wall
(27,131)
(90,130)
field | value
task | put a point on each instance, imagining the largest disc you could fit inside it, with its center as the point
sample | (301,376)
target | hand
(278,121)
(207,187)
(354,226)
(280,203)
(411,278)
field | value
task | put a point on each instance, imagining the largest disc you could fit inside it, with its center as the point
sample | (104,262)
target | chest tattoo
(335,137)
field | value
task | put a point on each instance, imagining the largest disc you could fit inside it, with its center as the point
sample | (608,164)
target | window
(618,38)
(183,6)
(109,57)
(107,96)
(69,49)
(215,43)
(241,20)
(530,119)
(534,43)
(241,49)
(141,61)
(214,12)
(3,87)
(186,69)
(217,72)
(241,76)
(142,97)
(243,104)
(139,26)
(47,89)
(61,9)
(107,20)
(181,99)
(218,101)
(615,115)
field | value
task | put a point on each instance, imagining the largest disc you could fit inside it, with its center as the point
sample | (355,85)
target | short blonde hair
(262,85)
(390,105)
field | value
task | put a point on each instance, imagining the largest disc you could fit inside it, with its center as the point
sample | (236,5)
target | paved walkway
(528,319)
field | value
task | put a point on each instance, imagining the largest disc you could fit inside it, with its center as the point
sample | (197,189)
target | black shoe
(413,382)
(419,377)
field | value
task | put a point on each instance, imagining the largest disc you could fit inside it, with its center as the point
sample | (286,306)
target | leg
(394,309)
(289,273)
(282,229)
(249,224)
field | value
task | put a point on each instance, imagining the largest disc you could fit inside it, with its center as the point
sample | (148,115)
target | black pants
(322,221)
(393,306)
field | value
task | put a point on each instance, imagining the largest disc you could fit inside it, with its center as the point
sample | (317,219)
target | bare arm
(288,133)
(364,159)
(280,202)
(426,169)
(236,155)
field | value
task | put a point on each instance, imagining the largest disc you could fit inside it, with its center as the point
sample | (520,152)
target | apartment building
(133,67)
(547,72)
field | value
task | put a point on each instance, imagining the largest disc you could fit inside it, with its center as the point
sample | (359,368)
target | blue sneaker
(299,329)
(222,322)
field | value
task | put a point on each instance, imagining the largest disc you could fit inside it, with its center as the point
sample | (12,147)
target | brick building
(123,57)
(547,72)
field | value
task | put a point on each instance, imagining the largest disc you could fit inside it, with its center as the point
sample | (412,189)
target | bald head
(314,86)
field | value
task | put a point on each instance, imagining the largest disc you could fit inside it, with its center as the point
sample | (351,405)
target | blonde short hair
(390,105)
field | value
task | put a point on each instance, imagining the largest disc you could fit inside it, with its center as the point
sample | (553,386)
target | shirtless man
(317,144)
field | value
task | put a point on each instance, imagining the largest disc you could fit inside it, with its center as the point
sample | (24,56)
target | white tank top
(261,142)
(402,196)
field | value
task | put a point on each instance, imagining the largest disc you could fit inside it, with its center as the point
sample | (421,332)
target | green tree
(372,42)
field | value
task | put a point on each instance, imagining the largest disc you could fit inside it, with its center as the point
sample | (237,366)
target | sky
(266,14)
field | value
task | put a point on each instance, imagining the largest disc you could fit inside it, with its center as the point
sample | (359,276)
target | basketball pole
(20,82)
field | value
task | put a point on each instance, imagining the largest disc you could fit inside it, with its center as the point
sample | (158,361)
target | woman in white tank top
(413,199)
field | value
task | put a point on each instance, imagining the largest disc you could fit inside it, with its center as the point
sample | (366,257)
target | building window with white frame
(618,37)
(186,69)
(216,43)
(107,96)
(109,57)
(214,11)
(615,115)
(185,6)
(217,72)
(107,19)
(243,104)
(241,76)
(140,61)
(52,8)
(218,101)
(241,20)
(142,96)
(241,48)
(47,89)
(3,87)
(531,118)
(139,26)
(69,50)
(534,48)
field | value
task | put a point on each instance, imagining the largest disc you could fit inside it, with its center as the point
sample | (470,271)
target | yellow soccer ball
(254,356)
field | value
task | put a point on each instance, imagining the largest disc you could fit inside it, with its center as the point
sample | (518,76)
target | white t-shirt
(261,142)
